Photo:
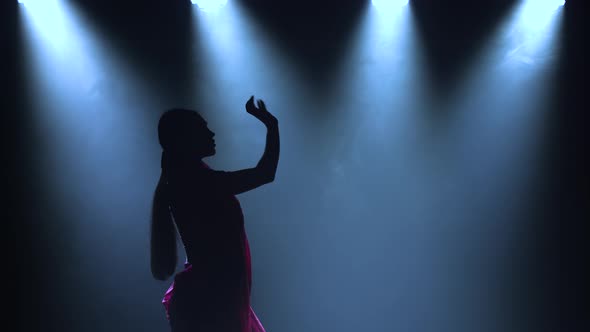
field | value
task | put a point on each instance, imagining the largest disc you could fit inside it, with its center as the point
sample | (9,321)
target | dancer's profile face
(187,133)
(202,137)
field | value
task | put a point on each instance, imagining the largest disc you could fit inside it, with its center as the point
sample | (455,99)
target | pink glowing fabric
(249,320)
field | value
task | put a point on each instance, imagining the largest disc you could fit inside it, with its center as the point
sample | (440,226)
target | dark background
(77,254)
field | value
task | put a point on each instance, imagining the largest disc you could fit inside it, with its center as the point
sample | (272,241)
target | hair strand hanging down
(163,234)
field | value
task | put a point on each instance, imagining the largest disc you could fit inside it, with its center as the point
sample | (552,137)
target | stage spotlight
(550,3)
(209,5)
(385,4)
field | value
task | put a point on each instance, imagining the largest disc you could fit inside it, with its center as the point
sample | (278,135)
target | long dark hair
(163,233)
(175,129)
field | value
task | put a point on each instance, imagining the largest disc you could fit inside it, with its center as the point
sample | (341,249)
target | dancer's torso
(210,223)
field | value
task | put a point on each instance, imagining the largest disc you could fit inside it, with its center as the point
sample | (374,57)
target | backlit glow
(209,5)
(389,4)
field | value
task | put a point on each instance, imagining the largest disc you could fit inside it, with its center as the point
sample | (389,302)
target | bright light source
(537,15)
(387,4)
(209,5)
(552,3)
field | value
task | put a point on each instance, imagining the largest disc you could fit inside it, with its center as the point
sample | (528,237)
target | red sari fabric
(191,278)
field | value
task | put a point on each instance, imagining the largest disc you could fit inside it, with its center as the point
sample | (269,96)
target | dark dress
(212,293)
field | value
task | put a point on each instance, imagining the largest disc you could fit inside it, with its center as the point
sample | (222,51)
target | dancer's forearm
(270,159)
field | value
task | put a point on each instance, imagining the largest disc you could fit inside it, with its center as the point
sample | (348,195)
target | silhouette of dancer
(212,293)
